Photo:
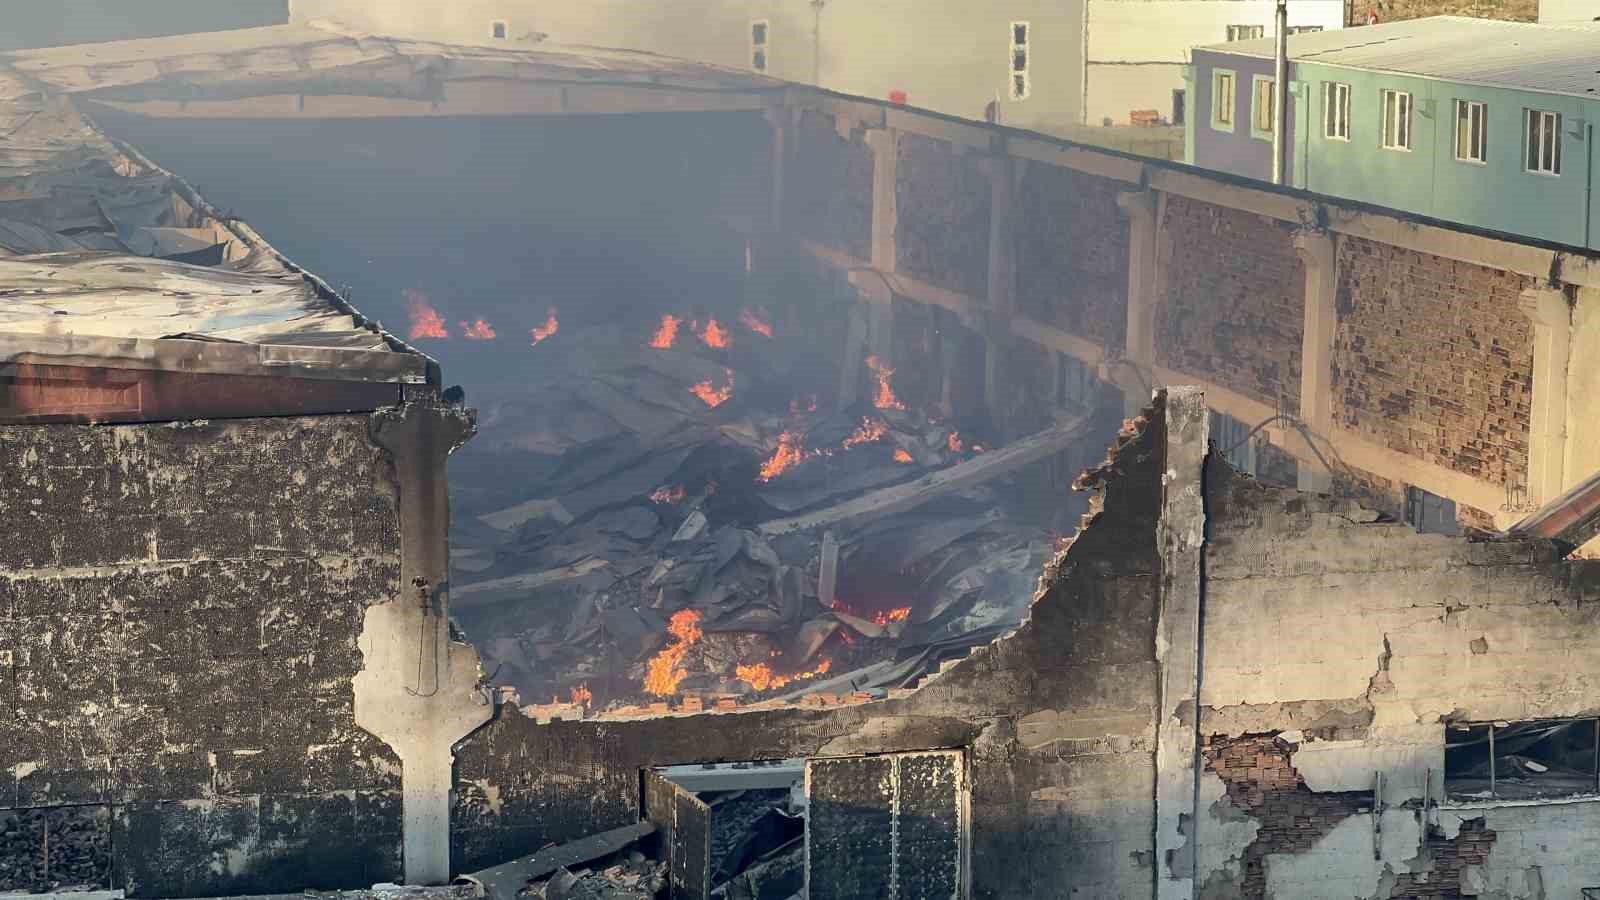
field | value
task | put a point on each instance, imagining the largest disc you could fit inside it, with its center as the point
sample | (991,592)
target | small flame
(756,320)
(954,443)
(762,678)
(715,335)
(871,430)
(901,456)
(714,397)
(665,673)
(425,320)
(667,334)
(787,456)
(550,326)
(581,695)
(885,398)
(673,494)
(477,330)
(899,614)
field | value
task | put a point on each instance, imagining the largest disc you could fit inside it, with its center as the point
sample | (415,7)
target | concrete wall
(180,607)
(1137,48)
(1231,149)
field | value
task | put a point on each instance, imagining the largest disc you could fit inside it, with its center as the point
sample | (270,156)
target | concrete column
(1180,537)
(1318,250)
(1002,249)
(782,121)
(418,690)
(885,144)
(1547,308)
(1132,372)
(1582,457)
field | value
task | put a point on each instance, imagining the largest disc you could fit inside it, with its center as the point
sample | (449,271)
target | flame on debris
(871,430)
(787,456)
(885,398)
(665,671)
(901,456)
(674,494)
(425,320)
(899,614)
(550,326)
(761,677)
(756,320)
(714,397)
(715,335)
(954,443)
(581,695)
(667,334)
(477,330)
(809,406)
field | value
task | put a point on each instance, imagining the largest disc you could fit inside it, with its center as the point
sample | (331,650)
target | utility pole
(816,41)
(1280,87)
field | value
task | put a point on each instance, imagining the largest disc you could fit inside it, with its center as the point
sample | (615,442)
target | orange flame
(761,677)
(667,334)
(885,398)
(871,430)
(787,456)
(673,494)
(796,407)
(425,320)
(899,614)
(715,335)
(665,673)
(954,443)
(756,320)
(901,456)
(550,326)
(581,695)
(714,397)
(477,330)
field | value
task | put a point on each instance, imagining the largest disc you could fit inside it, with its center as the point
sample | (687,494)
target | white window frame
(1257,83)
(1398,113)
(1477,113)
(1304,29)
(1019,82)
(1542,142)
(1246,32)
(760,50)
(1232,106)
(1336,111)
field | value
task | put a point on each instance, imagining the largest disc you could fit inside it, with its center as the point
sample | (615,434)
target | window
(1245,32)
(1019,60)
(1222,100)
(498,29)
(1264,107)
(1544,142)
(1304,29)
(1472,137)
(1178,97)
(1396,120)
(1431,513)
(1336,111)
(1522,760)
(758,45)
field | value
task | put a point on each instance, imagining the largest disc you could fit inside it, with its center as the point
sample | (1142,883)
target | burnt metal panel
(890,826)
(691,847)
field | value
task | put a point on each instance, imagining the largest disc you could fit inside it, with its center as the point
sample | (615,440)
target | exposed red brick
(942,209)
(831,199)
(1470,847)
(1434,359)
(1072,253)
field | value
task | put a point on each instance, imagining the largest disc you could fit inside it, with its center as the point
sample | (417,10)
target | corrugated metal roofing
(1560,59)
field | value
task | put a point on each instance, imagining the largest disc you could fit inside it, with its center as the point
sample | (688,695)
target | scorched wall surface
(179,610)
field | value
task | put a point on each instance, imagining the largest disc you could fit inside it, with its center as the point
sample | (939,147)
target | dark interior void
(53,23)
(1523,760)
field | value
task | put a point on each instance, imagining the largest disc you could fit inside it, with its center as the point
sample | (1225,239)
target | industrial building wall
(179,612)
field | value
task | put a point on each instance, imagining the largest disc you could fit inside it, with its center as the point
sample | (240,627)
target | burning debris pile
(669,512)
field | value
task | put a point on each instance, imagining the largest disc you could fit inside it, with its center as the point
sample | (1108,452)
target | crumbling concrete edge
(418,690)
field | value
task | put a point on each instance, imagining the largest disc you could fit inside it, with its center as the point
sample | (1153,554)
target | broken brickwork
(831,197)
(1072,253)
(1449,858)
(942,206)
(1263,784)
(179,612)
(1434,358)
(1374,492)
(1233,308)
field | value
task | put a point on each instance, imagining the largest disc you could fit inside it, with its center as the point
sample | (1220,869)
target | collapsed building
(235,658)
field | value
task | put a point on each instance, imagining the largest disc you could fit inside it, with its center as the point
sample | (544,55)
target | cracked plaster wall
(1354,641)
(180,607)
